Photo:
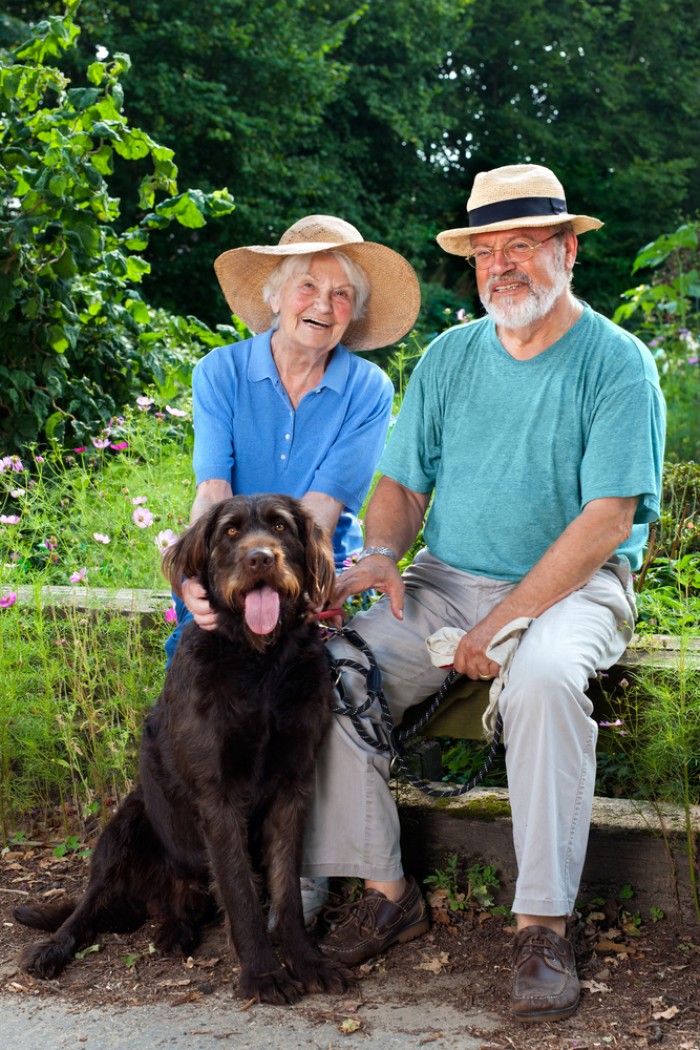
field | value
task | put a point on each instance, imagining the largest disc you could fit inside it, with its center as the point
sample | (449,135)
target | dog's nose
(259,559)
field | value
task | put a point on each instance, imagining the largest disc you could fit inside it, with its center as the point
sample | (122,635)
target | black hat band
(516,208)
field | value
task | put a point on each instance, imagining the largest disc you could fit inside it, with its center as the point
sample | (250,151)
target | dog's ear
(320,567)
(189,555)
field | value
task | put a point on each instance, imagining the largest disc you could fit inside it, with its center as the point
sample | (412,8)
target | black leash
(395,739)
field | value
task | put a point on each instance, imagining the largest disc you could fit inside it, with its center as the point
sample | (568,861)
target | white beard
(520,313)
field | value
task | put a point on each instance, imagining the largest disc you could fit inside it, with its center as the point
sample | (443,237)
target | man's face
(515,294)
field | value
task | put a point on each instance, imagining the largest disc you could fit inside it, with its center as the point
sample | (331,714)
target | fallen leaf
(604,945)
(666,1015)
(435,964)
(349,1025)
(595,986)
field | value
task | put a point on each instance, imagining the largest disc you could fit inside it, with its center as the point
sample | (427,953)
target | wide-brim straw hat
(394,299)
(516,196)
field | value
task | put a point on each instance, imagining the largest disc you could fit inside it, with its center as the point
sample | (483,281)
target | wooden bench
(459,715)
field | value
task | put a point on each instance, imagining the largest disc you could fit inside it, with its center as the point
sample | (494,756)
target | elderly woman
(293,409)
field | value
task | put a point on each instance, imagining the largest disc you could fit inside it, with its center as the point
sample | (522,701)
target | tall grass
(76,682)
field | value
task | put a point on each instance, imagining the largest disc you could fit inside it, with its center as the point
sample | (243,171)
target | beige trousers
(549,734)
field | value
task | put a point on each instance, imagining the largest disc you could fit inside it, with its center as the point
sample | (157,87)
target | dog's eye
(232,531)
(280,526)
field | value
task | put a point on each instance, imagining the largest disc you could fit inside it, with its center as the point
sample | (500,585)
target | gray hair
(293,265)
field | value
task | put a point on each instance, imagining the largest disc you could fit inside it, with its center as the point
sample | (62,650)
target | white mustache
(511,278)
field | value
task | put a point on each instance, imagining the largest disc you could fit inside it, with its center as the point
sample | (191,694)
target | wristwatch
(367,552)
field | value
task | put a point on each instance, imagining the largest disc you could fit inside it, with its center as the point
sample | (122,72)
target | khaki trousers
(549,734)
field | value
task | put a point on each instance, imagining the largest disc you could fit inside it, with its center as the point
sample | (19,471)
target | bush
(78,337)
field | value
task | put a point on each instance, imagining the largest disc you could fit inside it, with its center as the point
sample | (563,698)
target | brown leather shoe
(364,928)
(545,985)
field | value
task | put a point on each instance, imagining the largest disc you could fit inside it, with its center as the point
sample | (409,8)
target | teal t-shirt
(513,450)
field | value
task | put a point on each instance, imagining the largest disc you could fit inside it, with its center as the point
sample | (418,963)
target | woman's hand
(197,601)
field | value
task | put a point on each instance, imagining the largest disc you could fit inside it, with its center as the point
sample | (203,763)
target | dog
(226,763)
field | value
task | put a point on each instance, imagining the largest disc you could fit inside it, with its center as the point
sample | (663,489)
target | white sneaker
(314,897)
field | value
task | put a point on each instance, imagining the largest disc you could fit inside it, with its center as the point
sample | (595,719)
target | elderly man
(533,440)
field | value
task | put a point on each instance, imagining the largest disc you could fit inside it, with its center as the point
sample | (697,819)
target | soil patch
(641,980)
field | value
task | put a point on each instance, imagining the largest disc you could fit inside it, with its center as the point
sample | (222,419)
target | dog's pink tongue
(262,610)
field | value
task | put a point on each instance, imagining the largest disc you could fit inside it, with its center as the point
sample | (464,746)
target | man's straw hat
(516,196)
(394,300)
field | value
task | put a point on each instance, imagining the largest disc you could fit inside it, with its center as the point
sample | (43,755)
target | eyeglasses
(517,251)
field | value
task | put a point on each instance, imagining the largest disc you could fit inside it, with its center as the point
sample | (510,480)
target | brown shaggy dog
(227,762)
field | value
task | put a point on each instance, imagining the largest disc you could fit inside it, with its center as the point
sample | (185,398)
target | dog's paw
(45,959)
(323,975)
(275,987)
(176,938)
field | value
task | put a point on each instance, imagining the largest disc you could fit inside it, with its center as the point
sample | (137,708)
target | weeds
(463,889)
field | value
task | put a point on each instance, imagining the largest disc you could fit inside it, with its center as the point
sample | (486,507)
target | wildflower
(17,493)
(165,539)
(100,537)
(170,615)
(79,576)
(693,360)
(144,403)
(100,442)
(462,316)
(8,599)
(175,412)
(138,500)
(11,463)
(83,448)
(9,519)
(119,446)
(50,544)
(142,517)
(611,725)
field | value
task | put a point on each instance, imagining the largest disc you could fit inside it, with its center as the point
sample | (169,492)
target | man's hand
(374,573)
(470,657)
(196,599)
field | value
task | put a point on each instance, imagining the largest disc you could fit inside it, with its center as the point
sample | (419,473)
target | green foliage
(463,889)
(384,112)
(78,336)
(69,721)
(665,312)
(101,512)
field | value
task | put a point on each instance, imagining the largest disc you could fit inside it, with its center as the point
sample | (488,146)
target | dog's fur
(227,765)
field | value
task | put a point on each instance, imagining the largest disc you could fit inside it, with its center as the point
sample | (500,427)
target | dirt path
(449,989)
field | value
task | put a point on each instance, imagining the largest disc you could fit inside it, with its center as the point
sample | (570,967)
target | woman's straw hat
(516,196)
(394,299)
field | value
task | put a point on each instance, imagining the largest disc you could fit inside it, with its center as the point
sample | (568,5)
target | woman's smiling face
(315,307)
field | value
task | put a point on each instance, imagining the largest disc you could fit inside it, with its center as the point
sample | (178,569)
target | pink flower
(16,493)
(100,537)
(138,500)
(79,576)
(144,403)
(83,448)
(51,543)
(119,446)
(9,519)
(11,463)
(7,600)
(142,517)
(100,442)
(170,615)
(175,412)
(165,539)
